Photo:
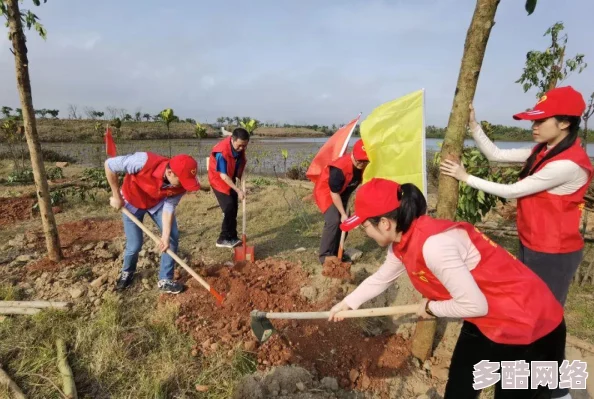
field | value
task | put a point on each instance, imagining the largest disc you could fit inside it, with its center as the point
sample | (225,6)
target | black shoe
(224,243)
(346,258)
(235,242)
(124,281)
(170,286)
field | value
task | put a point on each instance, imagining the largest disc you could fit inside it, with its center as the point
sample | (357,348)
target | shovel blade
(239,254)
(250,253)
(261,327)
(244,253)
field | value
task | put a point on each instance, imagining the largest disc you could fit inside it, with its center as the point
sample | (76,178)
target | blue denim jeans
(134,239)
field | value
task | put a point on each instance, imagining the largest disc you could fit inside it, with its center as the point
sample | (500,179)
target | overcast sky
(305,61)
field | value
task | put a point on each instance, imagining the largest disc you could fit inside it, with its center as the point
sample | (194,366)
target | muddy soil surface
(334,268)
(13,210)
(341,350)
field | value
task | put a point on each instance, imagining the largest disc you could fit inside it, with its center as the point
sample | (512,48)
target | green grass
(10,293)
(129,350)
(579,312)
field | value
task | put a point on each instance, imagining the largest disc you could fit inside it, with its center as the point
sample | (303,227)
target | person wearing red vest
(152,184)
(509,313)
(226,164)
(332,191)
(550,193)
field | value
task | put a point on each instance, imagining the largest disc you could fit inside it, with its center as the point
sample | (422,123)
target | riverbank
(84,131)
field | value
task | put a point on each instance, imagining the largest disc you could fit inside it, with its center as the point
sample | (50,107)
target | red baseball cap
(359,151)
(560,101)
(186,169)
(374,198)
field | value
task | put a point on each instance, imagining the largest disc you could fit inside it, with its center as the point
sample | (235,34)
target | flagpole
(346,142)
(424,154)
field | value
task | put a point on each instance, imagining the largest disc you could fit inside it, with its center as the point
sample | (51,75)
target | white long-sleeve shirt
(450,256)
(557,177)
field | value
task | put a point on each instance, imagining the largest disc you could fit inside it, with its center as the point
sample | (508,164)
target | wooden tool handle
(169,251)
(387,311)
(243,205)
(34,304)
(341,247)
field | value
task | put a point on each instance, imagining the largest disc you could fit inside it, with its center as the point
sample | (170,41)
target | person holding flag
(226,164)
(332,190)
(152,185)
(509,312)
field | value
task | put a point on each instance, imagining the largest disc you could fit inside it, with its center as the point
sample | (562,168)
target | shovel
(219,297)
(263,329)
(244,252)
(341,247)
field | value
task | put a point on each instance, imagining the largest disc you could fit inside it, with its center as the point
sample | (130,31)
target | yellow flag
(394,139)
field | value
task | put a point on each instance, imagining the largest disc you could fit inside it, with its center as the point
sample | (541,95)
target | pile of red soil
(339,350)
(267,285)
(334,268)
(79,233)
(15,209)
(89,230)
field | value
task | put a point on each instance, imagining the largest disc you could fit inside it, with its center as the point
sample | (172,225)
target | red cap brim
(351,223)
(190,184)
(531,115)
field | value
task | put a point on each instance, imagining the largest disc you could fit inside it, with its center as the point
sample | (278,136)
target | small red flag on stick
(110,147)
(331,150)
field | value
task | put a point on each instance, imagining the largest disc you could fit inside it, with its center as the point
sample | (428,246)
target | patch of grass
(261,181)
(83,273)
(220,374)
(11,293)
(579,313)
(129,350)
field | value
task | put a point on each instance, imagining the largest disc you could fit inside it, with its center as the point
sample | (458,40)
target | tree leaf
(530,6)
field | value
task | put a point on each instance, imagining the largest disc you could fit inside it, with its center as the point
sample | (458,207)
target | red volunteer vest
(144,189)
(224,147)
(322,188)
(522,309)
(550,223)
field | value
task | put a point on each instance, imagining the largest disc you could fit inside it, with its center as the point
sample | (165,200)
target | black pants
(228,204)
(331,233)
(557,271)
(473,346)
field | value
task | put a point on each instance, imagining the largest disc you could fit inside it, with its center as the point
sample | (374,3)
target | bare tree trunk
(24,86)
(477,37)
(585,137)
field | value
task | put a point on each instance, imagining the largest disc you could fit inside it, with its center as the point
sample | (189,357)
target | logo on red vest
(193,172)
(421,276)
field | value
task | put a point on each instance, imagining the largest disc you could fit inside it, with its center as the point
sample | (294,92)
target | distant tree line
(119,115)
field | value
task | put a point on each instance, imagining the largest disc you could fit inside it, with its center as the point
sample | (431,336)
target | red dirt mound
(76,233)
(334,268)
(266,285)
(89,230)
(339,350)
(15,209)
